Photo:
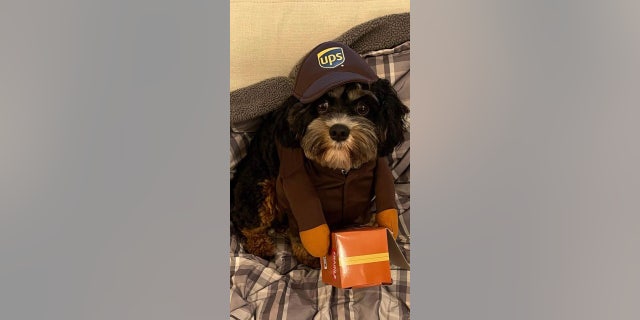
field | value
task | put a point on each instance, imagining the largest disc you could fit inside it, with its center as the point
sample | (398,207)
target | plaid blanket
(282,289)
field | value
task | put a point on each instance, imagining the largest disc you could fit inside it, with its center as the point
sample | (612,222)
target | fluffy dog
(318,162)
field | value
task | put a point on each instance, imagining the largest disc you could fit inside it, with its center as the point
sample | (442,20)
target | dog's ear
(286,130)
(391,118)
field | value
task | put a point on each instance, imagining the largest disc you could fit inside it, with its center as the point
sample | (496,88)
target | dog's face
(340,133)
(349,125)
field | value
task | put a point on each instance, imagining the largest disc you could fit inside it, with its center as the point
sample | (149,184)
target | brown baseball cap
(328,65)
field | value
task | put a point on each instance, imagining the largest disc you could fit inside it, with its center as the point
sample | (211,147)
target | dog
(318,162)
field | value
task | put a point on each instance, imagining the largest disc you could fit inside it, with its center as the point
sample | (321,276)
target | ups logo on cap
(331,57)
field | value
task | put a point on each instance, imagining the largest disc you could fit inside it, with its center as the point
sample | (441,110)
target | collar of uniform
(366,167)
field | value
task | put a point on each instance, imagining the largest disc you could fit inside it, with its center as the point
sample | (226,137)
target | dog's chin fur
(359,148)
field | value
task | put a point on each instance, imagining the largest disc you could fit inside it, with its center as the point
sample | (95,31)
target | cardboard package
(361,257)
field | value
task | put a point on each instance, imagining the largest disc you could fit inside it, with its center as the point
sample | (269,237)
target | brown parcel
(361,257)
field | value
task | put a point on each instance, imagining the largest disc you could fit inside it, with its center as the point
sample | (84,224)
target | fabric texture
(318,195)
(282,289)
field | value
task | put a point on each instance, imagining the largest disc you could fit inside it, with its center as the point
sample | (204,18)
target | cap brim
(329,81)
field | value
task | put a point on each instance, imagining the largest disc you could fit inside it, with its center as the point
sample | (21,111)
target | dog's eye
(323,107)
(362,109)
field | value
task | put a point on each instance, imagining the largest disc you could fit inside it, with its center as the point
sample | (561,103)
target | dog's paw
(316,240)
(258,242)
(301,254)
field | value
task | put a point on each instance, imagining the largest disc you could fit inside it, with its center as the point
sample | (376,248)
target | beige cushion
(269,37)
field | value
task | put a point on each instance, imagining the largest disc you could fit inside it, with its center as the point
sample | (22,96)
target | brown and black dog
(319,163)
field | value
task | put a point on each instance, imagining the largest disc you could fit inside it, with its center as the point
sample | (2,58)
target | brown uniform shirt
(317,195)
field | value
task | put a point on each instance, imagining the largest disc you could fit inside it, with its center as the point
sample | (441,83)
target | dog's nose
(339,132)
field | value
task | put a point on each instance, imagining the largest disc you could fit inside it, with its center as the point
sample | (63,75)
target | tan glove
(389,219)
(316,240)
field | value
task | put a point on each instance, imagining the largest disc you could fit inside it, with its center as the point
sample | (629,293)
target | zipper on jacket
(345,172)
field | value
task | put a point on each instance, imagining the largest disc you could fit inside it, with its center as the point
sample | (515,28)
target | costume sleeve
(303,199)
(385,188)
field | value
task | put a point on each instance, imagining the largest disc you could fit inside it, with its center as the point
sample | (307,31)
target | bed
(280,288)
